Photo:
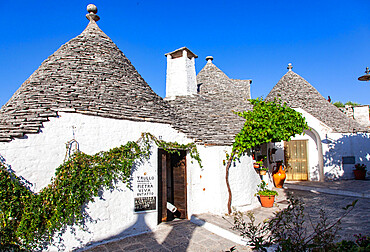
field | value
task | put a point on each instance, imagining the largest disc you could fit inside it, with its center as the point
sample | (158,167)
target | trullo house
(333,144)
(89,91)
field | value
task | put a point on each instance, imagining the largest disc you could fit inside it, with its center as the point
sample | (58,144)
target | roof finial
(92,10)
(290,66)
(209,58)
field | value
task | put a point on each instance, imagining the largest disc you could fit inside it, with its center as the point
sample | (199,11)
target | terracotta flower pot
(263,172)
(256,166)
(360,174)
(267,201)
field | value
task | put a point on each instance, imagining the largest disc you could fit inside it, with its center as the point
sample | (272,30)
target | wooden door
(163,167)
(178,164)
(172,185)
(296,159)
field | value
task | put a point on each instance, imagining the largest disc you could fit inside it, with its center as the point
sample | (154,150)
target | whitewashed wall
(208,191)
(38,155)
(338,145)
(361,115)
(334,147)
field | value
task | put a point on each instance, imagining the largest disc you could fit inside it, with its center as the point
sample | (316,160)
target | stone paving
(347,185)
(183,235)
(358,221)
(356,188)
(180,235)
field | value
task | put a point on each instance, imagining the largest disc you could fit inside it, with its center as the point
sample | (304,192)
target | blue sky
(328,42)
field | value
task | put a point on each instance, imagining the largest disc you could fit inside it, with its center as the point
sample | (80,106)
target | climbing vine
(269,121)
(30,221)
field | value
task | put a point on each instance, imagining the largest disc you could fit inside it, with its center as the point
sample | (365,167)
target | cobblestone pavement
(356,188)
(358,220)
(182,235)
(347,185)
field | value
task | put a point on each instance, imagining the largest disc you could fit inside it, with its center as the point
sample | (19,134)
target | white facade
(332,149)
(38,155)
(361,115)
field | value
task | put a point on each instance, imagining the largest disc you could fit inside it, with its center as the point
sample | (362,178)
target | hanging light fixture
(365,77)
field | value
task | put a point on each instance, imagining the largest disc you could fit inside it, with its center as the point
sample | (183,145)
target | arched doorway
(303,157)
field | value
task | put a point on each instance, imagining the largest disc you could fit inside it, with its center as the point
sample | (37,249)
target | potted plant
(360,171)
(257,164)
(263,170)
(267,196)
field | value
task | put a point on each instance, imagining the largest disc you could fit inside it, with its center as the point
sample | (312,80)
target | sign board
(145,193)
(145,204)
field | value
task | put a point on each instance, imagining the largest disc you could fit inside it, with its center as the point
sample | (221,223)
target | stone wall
(36,157)
(359,113)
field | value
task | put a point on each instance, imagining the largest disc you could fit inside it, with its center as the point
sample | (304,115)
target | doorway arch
(317,139)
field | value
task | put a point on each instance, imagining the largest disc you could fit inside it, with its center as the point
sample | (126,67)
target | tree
(338,104)
(352,103)
(268,122)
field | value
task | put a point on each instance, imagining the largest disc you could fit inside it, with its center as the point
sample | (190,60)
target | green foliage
(264,191)
(30,221)
(289,230)
(267,122)
(360,167)
(338,104)
(361,244)
(352,103)
(256,233)
(174,147)
(259,162)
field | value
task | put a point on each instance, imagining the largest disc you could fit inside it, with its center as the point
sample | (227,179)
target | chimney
(181,76)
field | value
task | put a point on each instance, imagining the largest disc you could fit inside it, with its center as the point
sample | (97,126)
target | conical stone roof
(298,93)
(214,81)
(208,116)
(87,75)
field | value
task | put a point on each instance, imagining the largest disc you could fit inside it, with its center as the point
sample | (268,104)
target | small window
(348,160)
(198,87)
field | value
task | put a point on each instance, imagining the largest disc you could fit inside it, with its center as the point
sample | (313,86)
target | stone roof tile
(208,116)
(298,93)
(87,75)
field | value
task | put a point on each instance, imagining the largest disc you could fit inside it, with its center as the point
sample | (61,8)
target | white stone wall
(338,145)
(208,191)
(38,155)
(334,147)
(361,115)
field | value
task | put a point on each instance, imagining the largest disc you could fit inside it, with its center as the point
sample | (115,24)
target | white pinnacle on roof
(290,67)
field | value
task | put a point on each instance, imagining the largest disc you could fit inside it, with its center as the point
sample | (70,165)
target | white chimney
(181,76)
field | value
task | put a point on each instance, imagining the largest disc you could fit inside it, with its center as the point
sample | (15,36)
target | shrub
(287,229)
